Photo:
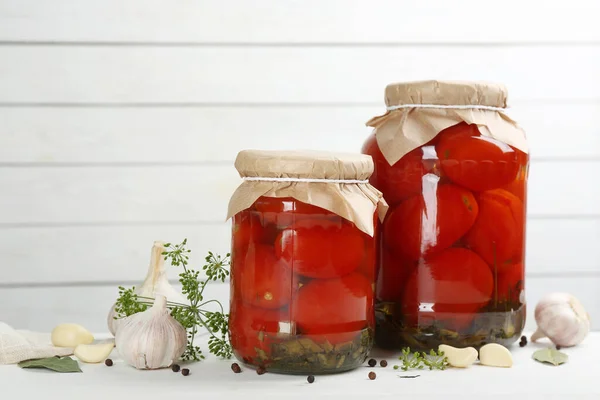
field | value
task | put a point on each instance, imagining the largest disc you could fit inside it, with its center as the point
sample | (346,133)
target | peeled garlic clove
(70,335)
(459,358)
(562,318)
(495,355)
(151,339)
(93,353)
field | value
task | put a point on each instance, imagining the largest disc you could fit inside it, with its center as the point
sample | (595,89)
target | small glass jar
(451,268)
(302,280)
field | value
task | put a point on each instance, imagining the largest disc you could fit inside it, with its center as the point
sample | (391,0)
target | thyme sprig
(195,315)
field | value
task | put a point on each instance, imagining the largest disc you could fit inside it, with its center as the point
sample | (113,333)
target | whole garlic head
(156,283)
(151,339)
(562,319)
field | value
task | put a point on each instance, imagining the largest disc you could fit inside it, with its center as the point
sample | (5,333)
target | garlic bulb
(156,282)
(151,339)
(561,318)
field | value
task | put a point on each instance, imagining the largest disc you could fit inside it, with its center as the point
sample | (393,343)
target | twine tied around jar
(445,106)
(308,180)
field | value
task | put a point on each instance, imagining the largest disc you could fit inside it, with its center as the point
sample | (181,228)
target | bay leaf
(58,364)
(550,356)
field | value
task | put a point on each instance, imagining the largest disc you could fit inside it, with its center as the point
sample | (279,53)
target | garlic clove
(495,355)
(70,335)
(155,283)
(93,353)
(562,318)
(151,339)
(457,357)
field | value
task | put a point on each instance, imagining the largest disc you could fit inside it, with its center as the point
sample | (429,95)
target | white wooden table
(213,379)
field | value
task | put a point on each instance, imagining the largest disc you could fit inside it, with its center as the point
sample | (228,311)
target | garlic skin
(562,319)
(151,339)
(156,283)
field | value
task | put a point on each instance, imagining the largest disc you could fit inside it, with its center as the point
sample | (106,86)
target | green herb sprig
(420,360)
(196,314)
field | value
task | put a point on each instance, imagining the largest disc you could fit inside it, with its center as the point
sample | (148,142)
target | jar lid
(436,92)
(304,164)
(337,182)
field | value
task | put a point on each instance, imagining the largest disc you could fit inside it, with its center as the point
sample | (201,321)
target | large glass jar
(302,280)
(451,267)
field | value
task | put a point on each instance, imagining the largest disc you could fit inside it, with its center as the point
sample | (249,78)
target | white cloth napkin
(20,345)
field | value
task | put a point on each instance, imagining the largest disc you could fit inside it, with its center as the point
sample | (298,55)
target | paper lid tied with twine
(336,182)
(418,111)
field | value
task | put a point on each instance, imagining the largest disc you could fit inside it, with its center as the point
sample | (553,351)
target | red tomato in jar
(448,288)
(368,265)
(511,283)
(425,224)
(394,272)
(341,306)
(247,229)
(264,280)
(498,233)
(518,187)
(321,248)
(285,211)
(474,161)
(405,178)
(253,327)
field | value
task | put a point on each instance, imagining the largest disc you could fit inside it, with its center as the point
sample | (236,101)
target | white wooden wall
(119,122)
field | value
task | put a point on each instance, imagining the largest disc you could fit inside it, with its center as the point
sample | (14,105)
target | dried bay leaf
(58,364)
(550,356)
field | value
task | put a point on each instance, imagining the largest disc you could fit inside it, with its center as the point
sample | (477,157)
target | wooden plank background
(119,123)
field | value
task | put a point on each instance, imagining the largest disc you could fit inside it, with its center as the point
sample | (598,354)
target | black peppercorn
(524,338)
(310,379)
(372,362)
(108,362)
(185,372)
(558,347)
(372,375)
(175,367)
(261,370)
(236,368)
(522,344)
(383,363)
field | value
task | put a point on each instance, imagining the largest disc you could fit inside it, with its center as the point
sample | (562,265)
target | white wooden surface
(119,122)
(213,379)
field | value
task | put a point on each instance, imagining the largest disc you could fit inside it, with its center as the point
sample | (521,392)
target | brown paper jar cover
(402,130)
(356,202)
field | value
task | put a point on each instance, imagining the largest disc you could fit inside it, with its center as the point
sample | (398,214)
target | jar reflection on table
(301,288)
(451,268)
